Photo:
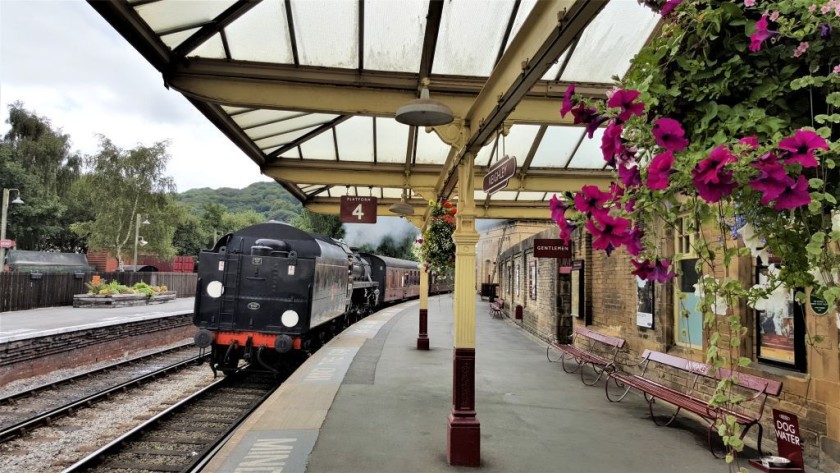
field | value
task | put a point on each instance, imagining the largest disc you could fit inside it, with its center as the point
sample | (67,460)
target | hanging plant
(436,246)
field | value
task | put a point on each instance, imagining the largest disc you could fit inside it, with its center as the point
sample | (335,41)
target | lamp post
(3,221)
(137,238)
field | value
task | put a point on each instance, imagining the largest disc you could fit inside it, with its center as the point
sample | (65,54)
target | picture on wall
(645,301)
(532,279)
(577,293)
(776,323)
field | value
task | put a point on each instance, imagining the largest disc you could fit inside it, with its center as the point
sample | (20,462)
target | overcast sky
(65,63)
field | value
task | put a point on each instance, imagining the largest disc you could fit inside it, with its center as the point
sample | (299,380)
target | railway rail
(24,411)
(183,436)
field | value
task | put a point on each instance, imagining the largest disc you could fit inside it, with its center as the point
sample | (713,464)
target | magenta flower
(634,241)
(669,134)
(710,169)
(629,175)
(771,181)
(616,191)
(669,7)
(558,214)
(567,100)
(659,171)
(588,116)
(591,199)
(660,271)
(713,192)
(749,141)
(762,34)
(623,99)
(801,146)
(643,269)
(794,196)
(611,143)
(609,232)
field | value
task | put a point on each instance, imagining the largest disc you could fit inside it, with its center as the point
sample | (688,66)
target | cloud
(67,64)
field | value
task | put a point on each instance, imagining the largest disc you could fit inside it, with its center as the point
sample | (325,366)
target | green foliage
(403,248)
(328,225)
(269,199)
(436,246)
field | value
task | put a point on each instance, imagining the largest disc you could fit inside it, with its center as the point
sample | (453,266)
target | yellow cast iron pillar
(464,430)
(423,335)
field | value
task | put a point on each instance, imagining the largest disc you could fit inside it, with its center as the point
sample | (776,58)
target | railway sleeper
(142,466)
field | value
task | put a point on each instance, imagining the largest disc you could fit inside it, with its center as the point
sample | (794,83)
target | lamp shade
(424,112)
(402,207)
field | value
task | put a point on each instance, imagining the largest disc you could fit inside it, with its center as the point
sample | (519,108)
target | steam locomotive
(271,294)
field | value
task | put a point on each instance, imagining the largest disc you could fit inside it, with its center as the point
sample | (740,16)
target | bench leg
(619,385)
(599,372)
(563,363)
(760,433)
(650,400)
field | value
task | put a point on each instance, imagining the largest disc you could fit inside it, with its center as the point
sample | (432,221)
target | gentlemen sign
(499,174)
(552,248)
(358,209)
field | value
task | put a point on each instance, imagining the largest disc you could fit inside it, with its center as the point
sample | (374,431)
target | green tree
(190,236)
(328,225)
(120,185)
(38,160)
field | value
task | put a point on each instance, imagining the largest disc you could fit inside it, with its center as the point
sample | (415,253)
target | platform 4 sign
(358,209)
(499,174)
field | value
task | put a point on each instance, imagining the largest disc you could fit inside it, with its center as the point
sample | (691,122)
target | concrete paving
(24,324)
(390,412)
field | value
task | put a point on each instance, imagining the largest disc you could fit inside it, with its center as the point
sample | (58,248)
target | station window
(688,321)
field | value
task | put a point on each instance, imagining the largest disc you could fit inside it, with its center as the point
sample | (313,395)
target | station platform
(26,324)
(369,401)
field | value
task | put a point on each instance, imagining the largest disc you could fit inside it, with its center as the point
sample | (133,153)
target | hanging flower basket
(436,246)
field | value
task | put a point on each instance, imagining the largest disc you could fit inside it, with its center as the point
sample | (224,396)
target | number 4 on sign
(358,209)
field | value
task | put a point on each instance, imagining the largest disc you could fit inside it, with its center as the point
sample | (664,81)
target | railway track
(24,411)
(182,437)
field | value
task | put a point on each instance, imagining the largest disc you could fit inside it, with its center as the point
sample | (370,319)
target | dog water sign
(787,437)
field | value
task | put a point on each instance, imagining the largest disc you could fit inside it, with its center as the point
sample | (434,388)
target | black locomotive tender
(272,294)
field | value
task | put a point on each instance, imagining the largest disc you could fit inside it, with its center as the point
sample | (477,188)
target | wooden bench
(695,395)
(496,308)
(593,348)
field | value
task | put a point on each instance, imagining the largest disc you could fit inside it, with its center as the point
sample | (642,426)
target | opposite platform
(370,402)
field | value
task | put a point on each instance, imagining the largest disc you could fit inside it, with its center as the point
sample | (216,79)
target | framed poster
(645,301)
(517,279)
(532,278)
(578,297)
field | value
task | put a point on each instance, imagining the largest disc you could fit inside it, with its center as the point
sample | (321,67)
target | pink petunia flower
(590,199)
(710,170)
(629,175)
(836,69)
(762,34)
(774,16)
(669,7)
(771,181)
(801,146)
(801,49)
(588,116)
(609,232)
(623,99)
(659,171)
(749,3)
(794,196)
(751,141)
(611,143)
(669,134)
(567,100)
(812,8)
(661,273)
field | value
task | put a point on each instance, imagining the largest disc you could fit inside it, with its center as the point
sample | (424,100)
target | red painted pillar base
(423,337)
(463,433)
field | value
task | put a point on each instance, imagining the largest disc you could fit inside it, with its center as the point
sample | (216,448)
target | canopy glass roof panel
(321,147)
(430,149)
(355,139)
(557,146)
(471,32)
(530,196)
(394,34)
(261,34)
(610,41)
(391,140)
(327,32)
(167,16)
(589,155)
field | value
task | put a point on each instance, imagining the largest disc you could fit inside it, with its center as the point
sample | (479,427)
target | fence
(23,291)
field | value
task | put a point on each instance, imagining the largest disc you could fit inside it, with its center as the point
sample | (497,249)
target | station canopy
(308,89)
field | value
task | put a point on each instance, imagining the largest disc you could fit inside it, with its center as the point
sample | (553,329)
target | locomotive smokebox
(203,338)
(283,343)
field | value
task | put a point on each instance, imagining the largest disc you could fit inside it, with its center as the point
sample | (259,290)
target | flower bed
(104,294)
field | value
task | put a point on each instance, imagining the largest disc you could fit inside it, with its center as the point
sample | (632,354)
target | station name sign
(358,209)
(499,174)
(552,248)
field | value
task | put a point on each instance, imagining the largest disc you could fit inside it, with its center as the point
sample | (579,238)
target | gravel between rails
(55,447)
